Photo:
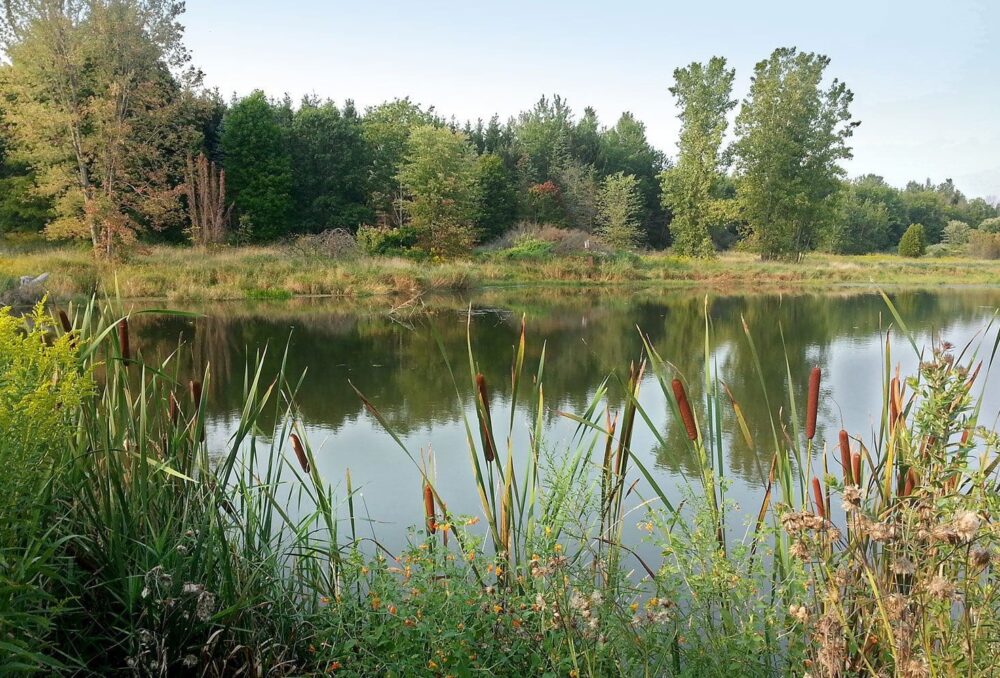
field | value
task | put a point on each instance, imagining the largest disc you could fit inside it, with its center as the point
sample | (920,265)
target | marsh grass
(150,548)
(213,274)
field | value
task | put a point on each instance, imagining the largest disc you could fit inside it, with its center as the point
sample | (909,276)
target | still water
(394,358)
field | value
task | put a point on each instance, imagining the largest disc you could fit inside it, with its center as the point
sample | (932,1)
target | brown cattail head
(966,434)
(172,409)
(895,403)
(195,387)
(856,468)
(812,404)
(300,452)
(911,482)
(818,498)
(64,321)
(685,409)
(486,420)
(429,509)
(123,340)
(845,456)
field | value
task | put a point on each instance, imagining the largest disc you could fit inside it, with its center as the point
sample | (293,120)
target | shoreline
(179,274)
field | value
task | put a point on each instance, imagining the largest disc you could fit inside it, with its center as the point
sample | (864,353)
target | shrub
(991,225)
(527,248)
(376,240)
(984,245)
(956,232)
(913,243)
(334,243)
(563,240)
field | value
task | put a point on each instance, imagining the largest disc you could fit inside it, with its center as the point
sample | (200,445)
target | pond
(395,358)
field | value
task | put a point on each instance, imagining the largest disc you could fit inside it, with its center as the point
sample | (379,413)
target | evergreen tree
(619,211)
(258,167)
(331,165)
(913,243)
(497,209)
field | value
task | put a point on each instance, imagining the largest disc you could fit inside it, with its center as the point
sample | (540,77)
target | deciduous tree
(791,134)
(704,95)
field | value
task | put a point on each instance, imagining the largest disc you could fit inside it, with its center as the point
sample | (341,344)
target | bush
(378,240)
(527,248)
(334,243)
(956,232)
(913,243)
(991,225)
(984,245)
(564,241)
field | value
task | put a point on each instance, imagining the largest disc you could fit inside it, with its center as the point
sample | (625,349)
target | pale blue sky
(926,75)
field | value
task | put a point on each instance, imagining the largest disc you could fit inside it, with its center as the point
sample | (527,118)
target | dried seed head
(966,525)
(980,557)
(812,404)
(172,411)
(687,417)
(300,452)
(123,341)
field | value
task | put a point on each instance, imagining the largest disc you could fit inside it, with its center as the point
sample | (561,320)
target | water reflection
(586,335)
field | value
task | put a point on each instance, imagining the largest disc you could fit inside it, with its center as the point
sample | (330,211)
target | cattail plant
(429,518)
(812,404)
(300,452)
(687,417)
(845,457)
(486,419)
(123,341)
(67,326)
(818,498)
(172,411)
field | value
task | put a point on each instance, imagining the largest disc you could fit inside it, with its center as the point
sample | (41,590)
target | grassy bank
(184,274)
(131,546)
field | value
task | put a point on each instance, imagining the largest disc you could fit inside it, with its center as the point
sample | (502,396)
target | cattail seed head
(300,452)
(685,409)
(856,468)
(895,403)
(123,341)
(966,434)
(64,321)
(845,456)
(172,409)
(911,482)
(485,420)
(429,509)
(812,404)
(195,387)
(818,498)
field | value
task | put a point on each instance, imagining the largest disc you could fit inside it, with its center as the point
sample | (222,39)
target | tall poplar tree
(703,93)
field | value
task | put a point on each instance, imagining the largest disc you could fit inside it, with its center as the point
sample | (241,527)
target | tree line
(108,134)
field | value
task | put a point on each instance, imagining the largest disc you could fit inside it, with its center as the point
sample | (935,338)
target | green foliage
(703,93)
(913,243)
(41,389)
(544,204)
(387,130)
(956,233)
(331,164)
(991,225)
(377,240)
(619,209)
(579,189)
(105,130)
(258,167)
(862,225)
(791,133)
(497,198)
(528,248)
(625,148)
(439,177)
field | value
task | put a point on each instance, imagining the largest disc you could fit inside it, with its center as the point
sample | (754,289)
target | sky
(925,75)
